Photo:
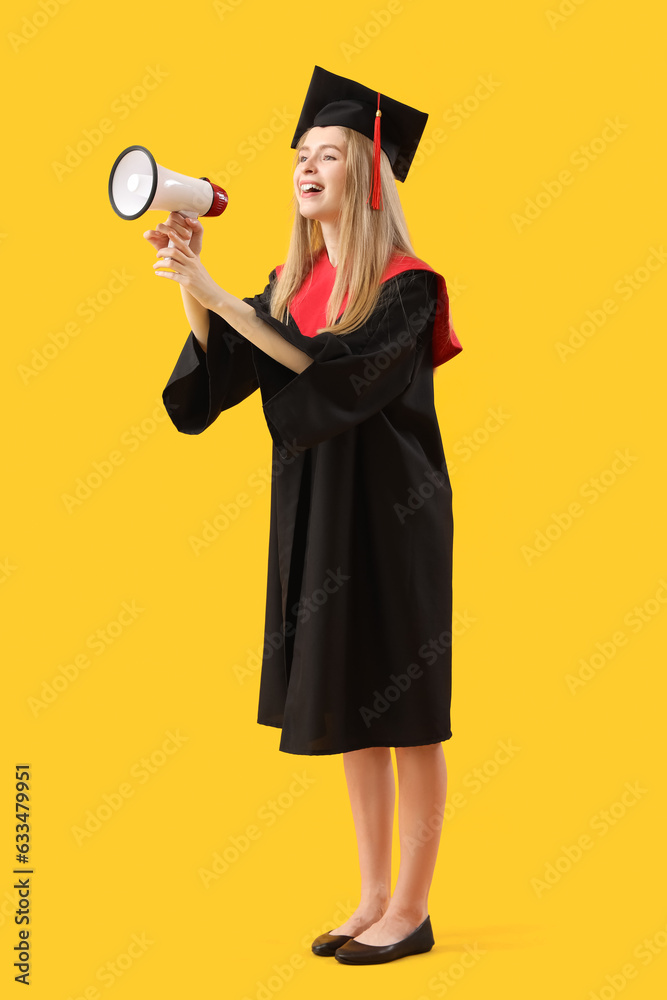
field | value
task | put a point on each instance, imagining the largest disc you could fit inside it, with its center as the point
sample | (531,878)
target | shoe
(358,953)
(326,944)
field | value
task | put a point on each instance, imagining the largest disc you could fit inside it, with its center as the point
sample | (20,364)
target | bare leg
(370,782)
(422,790)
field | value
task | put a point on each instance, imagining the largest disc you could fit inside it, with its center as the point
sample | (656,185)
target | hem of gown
(349,749)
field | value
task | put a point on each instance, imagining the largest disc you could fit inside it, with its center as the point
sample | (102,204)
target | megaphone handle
(187,215)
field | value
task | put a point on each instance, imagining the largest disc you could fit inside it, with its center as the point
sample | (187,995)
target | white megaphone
(137,183)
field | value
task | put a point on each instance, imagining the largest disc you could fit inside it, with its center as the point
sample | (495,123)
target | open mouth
(309,189)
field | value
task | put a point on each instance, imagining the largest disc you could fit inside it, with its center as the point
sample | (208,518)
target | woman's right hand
(191,229)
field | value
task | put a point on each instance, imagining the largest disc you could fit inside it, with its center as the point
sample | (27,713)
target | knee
(367,753)
(433,748)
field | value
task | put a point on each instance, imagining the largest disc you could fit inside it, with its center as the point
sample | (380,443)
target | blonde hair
(368,239)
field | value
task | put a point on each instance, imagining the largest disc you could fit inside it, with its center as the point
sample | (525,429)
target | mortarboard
(394,127)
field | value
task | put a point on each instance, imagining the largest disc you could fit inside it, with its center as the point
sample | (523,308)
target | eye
(330,156)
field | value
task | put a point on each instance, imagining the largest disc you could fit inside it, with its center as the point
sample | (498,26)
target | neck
(331,234)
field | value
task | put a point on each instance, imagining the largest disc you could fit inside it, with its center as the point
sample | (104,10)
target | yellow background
(519,289)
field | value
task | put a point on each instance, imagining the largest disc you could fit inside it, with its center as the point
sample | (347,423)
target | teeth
(310,187)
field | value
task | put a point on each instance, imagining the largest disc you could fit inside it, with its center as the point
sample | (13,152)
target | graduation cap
(394,127)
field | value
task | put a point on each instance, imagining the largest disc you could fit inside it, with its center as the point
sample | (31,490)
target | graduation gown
(357,649)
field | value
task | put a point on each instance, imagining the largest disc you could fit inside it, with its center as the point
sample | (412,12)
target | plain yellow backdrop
(176,852)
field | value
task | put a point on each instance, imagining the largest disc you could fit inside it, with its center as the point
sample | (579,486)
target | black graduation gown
(357,648)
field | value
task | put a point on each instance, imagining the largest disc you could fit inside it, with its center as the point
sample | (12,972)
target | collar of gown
(309,305)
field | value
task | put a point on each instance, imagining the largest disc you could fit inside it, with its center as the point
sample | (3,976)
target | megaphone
(137,183)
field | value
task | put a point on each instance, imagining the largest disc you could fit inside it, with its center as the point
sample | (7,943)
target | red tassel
(376,185)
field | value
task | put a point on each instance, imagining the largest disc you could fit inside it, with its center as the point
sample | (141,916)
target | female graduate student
(343,343)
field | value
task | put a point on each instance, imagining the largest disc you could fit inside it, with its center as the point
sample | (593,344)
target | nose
(307,167)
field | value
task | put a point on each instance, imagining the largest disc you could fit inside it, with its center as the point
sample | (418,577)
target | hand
(188,270)
(188,229)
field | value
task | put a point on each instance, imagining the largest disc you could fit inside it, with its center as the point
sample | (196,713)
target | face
(321,161)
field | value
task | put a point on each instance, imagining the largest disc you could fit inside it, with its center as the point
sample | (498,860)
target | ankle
(374,905)
(410,910)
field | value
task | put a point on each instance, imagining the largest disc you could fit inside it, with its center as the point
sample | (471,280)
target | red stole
(309,306)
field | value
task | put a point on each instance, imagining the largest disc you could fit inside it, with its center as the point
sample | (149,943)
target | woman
(342,344)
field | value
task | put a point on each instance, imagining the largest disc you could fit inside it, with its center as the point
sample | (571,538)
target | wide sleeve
(351,378)
(206,382)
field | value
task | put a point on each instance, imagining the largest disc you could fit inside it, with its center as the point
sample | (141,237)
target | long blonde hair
(368,239)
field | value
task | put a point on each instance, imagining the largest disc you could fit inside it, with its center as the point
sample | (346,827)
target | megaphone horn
(137,183)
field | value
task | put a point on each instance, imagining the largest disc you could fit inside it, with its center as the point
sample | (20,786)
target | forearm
(197,316)
(245,321)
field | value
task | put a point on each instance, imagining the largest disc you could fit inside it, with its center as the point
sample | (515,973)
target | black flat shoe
(326,944)
(357,953)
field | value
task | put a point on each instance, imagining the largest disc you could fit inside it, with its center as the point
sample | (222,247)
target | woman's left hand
(188,271)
